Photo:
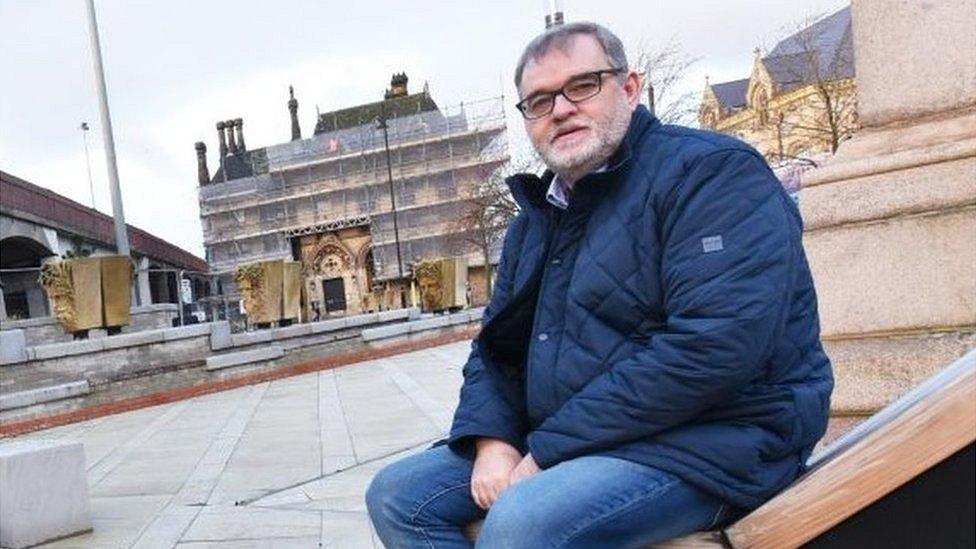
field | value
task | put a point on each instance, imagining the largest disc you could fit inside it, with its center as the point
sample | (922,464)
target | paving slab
(284,463)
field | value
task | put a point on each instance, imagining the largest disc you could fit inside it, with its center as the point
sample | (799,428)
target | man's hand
(525,469)
(493,464)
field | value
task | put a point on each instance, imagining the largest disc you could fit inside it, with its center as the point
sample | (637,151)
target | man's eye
(580,88)
(537,103)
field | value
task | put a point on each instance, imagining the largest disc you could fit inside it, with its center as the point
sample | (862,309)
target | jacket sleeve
(491,403)
(728,252)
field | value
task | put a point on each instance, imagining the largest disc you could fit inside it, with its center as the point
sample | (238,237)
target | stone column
(3,305)
(891,219)
(144,295)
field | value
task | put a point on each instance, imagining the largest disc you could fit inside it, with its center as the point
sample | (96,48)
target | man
(650,362)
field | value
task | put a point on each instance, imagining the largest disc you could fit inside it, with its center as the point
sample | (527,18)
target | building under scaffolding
(359,202)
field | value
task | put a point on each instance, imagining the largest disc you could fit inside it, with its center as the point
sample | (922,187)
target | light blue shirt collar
(559,192)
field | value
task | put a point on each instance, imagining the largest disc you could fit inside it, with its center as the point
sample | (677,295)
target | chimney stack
(554,13)
(296,131)
(203,174)
(231,141)
(223,141)
(239,124)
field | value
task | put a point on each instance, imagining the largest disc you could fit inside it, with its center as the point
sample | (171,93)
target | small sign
(187,290)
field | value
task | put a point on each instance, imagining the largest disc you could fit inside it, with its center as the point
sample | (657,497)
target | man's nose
(562,107)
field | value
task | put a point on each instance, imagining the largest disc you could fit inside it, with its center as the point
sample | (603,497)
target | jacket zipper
(550,246)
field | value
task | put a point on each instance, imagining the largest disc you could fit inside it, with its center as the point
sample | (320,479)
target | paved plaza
(278,464)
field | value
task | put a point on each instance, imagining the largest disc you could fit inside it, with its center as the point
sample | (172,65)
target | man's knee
(382,501)
(513,521)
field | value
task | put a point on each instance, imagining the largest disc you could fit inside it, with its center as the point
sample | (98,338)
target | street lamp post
(381,124)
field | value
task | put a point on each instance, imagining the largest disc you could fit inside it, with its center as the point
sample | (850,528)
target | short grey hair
(559,37)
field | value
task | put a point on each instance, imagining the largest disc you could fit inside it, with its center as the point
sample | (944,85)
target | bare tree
(487,208)
(664,71)
(816,55)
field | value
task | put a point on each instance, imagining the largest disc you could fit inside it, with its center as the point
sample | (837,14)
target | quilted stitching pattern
(643,346)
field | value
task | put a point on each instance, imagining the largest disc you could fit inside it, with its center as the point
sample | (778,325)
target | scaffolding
(339,179)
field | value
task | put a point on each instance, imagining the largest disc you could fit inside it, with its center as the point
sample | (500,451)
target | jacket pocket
(810,421)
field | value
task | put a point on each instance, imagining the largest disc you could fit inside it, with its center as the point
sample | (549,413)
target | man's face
(577,138)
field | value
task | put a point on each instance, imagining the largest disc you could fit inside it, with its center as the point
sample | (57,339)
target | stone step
(21,399)
(238,358)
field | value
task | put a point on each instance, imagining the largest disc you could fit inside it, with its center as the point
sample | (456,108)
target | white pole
(91,183)
(121,236)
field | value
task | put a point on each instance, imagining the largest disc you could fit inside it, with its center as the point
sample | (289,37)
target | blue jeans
(424,501)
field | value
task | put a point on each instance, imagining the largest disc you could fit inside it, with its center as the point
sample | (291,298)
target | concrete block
(297,330)
(30,397)
(183,332)
(413,313)
(362,320)
(250,338)
(220,335)
(13,346)
(132,339)
(429,324)
(395,314)
(330,325)
(381,332)
(238,358)
(45,492)
(477,314)
(69,348)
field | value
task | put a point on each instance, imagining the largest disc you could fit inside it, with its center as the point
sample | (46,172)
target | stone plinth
(891,219)
(45,492)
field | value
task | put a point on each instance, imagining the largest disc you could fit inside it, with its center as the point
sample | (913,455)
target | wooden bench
(901,478)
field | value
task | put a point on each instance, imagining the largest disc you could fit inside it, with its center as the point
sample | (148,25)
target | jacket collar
(529,190)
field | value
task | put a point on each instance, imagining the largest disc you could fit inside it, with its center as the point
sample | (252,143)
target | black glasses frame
(523,104)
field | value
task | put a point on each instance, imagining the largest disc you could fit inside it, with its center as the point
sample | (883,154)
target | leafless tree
(487,208)
(817,60)
(665,69)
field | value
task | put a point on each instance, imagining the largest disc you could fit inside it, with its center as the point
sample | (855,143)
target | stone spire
(203,174)
(296,130)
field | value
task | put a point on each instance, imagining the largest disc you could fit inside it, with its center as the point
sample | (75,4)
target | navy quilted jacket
(667,317)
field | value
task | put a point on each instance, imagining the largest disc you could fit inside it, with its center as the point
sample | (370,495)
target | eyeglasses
(579,88)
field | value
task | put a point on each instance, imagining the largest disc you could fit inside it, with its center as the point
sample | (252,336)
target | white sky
(175,67)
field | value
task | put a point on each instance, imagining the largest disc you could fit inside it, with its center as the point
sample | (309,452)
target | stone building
(799,101)
(359,202)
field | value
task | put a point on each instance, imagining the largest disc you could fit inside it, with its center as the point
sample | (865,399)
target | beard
(574,160)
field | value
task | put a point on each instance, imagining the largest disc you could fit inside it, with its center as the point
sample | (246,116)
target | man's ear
(632,88)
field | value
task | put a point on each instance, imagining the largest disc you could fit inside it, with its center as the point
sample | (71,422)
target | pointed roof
(822,51)
(732,94)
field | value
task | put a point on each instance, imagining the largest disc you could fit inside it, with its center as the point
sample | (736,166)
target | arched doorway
(20,262)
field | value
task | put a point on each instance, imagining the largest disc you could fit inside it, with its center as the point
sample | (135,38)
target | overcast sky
(175,67)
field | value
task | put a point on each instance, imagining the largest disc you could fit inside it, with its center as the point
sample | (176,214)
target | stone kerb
(423,324)
(21,399)
(45,330)
(45,492)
